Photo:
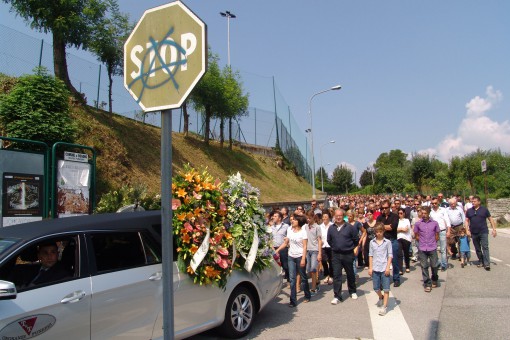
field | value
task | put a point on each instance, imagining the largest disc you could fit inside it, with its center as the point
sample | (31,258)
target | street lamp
(228,15)
(322,169)
(334,88)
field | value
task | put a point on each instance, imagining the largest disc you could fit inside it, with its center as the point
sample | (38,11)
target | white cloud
(476,130)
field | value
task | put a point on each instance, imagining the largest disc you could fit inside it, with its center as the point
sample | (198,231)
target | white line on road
(506,264)
(393,320)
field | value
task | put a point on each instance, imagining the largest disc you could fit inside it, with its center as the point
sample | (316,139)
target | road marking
(506,264)
(394,320)
(492,258)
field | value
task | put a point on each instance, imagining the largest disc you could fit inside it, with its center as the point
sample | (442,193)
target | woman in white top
(404,239)
(326,249)
(297,241)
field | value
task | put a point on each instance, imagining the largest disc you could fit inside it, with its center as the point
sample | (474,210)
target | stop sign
(165,56)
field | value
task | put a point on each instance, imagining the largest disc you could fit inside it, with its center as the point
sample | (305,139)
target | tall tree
(207,96)
(421,169)
(366,178)
(236,103)
(108,37)
(342,178)
(69,21)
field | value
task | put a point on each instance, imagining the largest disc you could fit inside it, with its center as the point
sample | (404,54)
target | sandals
(428,289)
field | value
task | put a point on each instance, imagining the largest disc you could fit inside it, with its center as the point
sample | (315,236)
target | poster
(22,198)
(73,187)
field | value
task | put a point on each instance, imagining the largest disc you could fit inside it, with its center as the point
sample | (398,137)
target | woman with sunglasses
(369,226)
(404,239)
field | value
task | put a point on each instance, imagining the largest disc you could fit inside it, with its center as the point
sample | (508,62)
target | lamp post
(322,169)
(228,15)
(334,88)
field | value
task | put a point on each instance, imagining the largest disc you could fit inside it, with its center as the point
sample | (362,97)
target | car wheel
(239,313)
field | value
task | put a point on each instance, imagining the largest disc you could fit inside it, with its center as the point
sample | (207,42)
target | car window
(157,229)
(122,250)
(42,263)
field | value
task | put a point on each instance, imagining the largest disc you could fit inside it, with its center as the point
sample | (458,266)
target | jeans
(428,259)
(284,260)
(395,247)
(294,269)
(378,279)
(343,261)
(481,243)
(442,246)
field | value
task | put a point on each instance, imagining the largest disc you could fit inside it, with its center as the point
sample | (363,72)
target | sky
(419,76)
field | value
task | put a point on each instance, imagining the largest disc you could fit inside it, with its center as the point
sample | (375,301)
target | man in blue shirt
(476,226)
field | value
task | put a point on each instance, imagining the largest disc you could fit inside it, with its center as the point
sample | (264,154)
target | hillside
(128,152)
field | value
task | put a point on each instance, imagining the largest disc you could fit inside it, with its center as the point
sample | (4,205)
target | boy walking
(465,251)
(380,256)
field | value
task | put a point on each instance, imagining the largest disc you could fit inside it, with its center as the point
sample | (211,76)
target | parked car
(109,283)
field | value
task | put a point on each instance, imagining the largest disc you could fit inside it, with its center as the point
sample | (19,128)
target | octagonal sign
(165,56)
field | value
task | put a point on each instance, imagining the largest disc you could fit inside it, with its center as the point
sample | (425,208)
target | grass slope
(128,152)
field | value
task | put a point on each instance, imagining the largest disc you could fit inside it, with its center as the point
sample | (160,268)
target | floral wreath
(252,240)
(200,227)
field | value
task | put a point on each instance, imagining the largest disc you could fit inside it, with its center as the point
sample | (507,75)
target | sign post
(164,58)
(484,170)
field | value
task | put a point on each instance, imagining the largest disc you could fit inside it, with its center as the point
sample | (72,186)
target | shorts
(311,261)
(378,278)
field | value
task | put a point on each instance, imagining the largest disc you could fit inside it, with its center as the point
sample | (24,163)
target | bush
(115,199)
(37,108)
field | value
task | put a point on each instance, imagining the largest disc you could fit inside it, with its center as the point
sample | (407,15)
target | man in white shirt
(457,217)
(439,215)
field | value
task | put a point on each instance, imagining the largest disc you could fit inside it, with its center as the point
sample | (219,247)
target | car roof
(81,223)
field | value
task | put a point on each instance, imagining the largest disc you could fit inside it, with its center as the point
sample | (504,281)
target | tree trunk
(186,118)
(207,124)
(110,85)
(222,131)
(230,134)
(60,65)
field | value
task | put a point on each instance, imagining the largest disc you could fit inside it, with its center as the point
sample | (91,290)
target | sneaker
(414,259)
(462,265)
(407,270)
(487,268)
(380,303)
(354,296)
(382,311)
(318,289)
(335,301)
(313,292)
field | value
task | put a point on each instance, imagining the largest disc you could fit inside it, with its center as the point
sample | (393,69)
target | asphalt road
(470,303)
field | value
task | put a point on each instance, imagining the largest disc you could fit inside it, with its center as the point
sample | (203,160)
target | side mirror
(7,290)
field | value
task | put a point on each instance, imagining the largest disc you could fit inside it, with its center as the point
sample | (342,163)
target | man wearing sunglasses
(476,226)
(390,221)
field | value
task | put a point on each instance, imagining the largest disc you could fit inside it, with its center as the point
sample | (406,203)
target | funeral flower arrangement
(218,227)
(252,240)
(200,227)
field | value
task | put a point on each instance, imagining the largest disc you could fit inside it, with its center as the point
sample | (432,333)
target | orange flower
(210,272)
(185,238)
(197,178)
(189,177)
(181,192)
(174,187)
(193,249)
(190,270)
(198,188)
(197,211)
(181,216)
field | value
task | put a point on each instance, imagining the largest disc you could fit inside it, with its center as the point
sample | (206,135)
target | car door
(126,284)
(53,310)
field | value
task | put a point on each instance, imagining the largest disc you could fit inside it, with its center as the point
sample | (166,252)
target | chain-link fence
(269,119)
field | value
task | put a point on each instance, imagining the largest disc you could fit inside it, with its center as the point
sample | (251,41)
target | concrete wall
(499,208)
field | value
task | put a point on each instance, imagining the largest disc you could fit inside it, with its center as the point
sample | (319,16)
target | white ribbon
(201,252)
(252,255)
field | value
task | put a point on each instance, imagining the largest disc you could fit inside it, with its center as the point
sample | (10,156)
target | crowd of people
(380,234)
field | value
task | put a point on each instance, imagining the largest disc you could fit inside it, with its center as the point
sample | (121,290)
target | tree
(342,178)
(69,21)
(395,158)
(366,178)
(37,108)
(207,96)
(421,169)
(236,103)
(108,38)
(391,180)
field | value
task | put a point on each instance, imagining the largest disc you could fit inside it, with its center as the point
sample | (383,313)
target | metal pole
(166,223)
(98,87)
(276,116)
(322,170)
(40,53)
(255,126)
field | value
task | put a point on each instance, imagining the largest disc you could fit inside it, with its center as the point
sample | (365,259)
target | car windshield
(6,243)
